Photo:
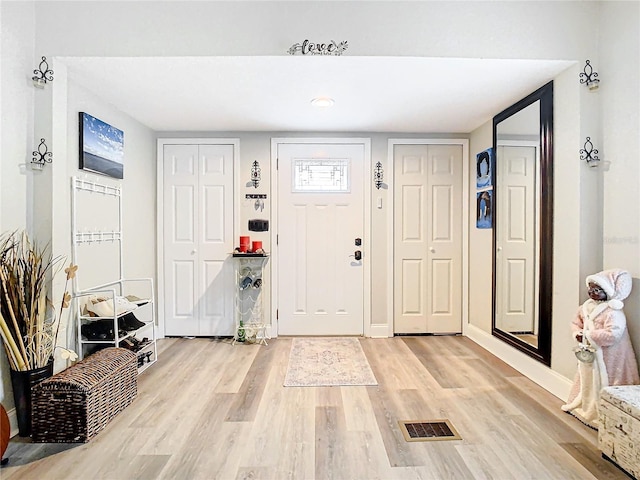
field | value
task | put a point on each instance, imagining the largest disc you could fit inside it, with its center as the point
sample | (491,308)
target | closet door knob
(193,252)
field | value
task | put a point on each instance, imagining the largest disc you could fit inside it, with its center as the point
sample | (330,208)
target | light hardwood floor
(211,410)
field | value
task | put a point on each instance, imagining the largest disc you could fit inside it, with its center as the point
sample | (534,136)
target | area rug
(317,362)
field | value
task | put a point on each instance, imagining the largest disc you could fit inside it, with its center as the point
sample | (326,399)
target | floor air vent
(428,431)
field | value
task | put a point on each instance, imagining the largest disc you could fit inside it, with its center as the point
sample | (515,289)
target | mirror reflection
(522,224)
(517,229)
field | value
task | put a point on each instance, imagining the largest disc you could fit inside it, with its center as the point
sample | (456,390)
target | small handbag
(585,353)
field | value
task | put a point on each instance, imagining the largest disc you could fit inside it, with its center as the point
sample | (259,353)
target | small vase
(22,382)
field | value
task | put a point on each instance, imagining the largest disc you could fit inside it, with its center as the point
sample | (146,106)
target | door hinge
(277,239)
(277,314)
(277,163)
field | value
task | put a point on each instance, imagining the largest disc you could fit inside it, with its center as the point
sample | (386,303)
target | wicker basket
(75,404)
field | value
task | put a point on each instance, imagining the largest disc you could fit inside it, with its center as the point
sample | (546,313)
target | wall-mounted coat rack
(80,236)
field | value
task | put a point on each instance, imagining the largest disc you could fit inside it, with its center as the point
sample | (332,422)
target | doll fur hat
(616,283)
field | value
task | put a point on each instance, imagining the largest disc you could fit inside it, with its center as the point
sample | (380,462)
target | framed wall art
(484,209)
(101,147)
(484,169)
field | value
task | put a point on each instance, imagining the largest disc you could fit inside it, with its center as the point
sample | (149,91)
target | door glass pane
(321,175)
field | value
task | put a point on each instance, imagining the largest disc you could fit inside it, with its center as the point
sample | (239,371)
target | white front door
(516,238)
(198,238)
(320,217)
(428,238)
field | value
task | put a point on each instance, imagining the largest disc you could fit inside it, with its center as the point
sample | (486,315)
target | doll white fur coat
(604,327)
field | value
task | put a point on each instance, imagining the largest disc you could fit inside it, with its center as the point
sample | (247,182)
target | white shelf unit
(142,287)
(249,313)
(145,312)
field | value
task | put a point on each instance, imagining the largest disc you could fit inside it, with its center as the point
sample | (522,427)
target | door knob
(193,252)
(432,250)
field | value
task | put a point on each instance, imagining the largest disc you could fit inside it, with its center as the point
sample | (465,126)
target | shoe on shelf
(129,322)
(104,307)
(100,330)
(137,300)
(128,344)
(245,283)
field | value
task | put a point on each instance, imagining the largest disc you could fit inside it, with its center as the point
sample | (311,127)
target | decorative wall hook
(589,77)
(43,74)
(378,175)
(41,156)
(589,154)
(255,174)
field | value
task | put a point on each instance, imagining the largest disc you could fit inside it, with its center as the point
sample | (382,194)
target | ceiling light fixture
(322,102)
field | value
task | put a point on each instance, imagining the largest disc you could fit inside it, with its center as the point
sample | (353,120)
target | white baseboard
(548,379)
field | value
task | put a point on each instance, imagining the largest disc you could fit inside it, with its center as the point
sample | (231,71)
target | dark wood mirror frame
(543,351)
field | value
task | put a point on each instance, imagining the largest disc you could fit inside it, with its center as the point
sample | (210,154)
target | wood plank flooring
(212,410)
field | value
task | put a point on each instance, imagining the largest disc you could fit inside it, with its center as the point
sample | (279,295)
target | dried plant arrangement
(29,325)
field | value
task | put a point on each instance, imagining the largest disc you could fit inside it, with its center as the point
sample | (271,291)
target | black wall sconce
(589,77)
(589,154)
(255,174)
(43,74)
(41,156)
(378,175)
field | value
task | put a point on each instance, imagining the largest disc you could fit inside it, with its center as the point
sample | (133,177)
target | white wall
(16,132)
(16,121)
(494,29)
(619,71)
(567,227)
(443,29)
(566,257)
(480,241)
(98,262)
(64,99)
(138,192)
(257,146)
(584,208)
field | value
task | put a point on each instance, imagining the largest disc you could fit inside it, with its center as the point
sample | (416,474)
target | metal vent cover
(428,430)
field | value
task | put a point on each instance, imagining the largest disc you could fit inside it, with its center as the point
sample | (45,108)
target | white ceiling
(372,94)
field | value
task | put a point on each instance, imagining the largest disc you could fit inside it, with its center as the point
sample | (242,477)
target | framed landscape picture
(101,147)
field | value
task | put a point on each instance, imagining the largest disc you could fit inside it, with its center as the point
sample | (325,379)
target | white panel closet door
(428,239)
(516,239)
(198,237)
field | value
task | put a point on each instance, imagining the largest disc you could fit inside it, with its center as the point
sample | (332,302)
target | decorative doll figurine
(604,351)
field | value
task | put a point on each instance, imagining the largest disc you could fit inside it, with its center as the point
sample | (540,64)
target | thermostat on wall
(258,225)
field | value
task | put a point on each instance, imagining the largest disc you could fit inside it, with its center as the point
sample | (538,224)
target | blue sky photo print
(101,147)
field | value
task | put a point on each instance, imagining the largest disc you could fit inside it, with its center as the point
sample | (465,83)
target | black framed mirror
(523,224)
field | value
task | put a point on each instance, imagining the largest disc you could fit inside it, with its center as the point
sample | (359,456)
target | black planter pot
(22,383)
